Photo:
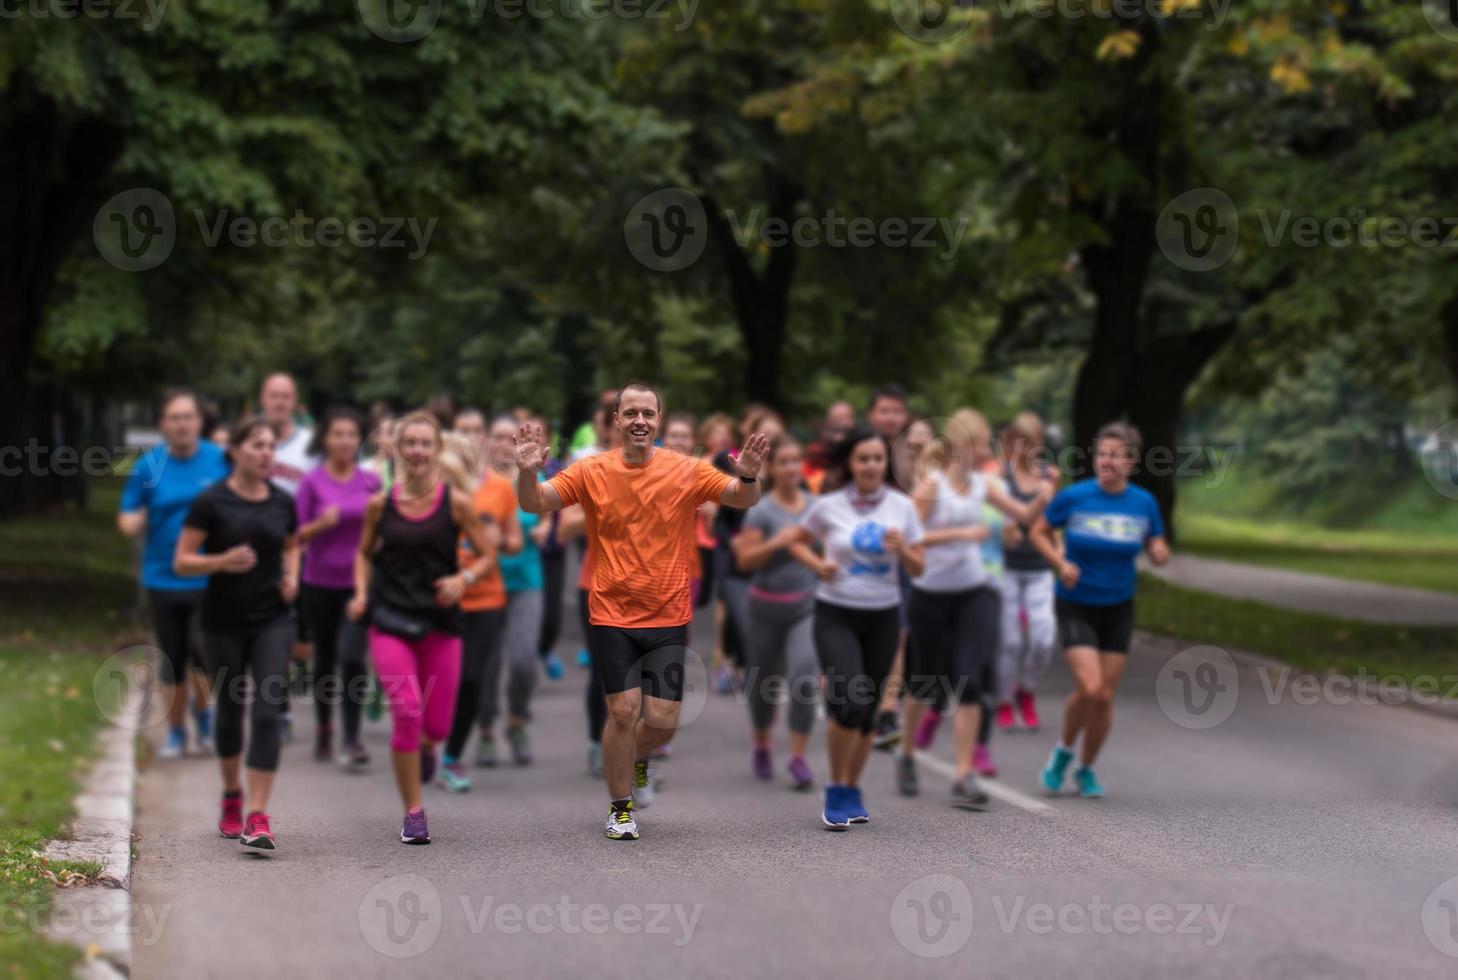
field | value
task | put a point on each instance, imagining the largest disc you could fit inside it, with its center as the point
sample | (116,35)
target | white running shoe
(621,825)
(644,782)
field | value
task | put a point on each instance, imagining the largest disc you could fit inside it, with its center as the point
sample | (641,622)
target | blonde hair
(967,427)
(457,462)
(1028,426)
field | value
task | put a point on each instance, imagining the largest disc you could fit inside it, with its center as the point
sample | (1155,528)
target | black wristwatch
(749,479)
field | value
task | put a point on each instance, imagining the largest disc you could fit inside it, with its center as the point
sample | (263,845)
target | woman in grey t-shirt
(780,654)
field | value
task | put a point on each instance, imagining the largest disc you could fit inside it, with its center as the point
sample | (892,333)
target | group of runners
(883,576)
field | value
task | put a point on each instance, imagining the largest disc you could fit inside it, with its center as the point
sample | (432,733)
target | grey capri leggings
(781,660)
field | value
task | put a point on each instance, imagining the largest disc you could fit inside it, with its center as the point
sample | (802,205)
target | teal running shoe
(1088,783)
(1056,769)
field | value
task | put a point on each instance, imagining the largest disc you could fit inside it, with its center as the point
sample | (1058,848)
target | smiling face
(868,464)
(502,445)
(637,419)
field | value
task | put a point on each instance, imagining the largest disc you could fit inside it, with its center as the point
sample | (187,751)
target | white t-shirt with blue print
(853,540)
(1103,534)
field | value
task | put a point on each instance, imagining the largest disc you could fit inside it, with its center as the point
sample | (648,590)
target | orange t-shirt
(640,529)
(495,503)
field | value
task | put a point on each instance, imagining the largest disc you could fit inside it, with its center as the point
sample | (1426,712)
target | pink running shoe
(927,729)
(257,834)
(982,762)
(230,824)
(1028,710)
(1005,719)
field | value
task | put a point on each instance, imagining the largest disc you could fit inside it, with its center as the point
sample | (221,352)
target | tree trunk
(761,299)
(52,175)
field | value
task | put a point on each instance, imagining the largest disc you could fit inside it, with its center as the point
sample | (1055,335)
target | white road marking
(991,786)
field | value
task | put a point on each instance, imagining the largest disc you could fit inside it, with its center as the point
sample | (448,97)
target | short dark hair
(339,413)
(172,394)
(636,386)
(1122,431)
(682,418)
(892,391)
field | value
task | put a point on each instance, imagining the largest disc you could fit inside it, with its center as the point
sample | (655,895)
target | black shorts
(1105,628)
(648,659)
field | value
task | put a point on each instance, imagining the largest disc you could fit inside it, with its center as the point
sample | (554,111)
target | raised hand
(531,451)
(751,457)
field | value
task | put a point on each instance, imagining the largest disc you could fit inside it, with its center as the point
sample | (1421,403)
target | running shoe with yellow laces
(620,822)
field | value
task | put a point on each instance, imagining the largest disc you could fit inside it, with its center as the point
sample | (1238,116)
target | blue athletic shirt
(166,487)
(1102,534)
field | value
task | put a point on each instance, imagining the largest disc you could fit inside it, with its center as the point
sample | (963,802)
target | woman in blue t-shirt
(1106,522)
(163,484)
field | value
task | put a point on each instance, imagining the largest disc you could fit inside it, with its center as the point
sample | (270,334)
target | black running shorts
(650,659)
(1105,628)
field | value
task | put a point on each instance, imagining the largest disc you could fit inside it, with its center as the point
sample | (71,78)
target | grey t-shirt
(782,573)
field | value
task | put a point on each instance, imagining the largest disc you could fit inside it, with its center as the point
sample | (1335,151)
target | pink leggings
(419,678)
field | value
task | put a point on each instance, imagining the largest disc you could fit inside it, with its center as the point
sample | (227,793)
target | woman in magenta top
(330,505)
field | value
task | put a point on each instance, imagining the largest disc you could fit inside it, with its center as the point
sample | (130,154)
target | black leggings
(264,654)
(596,700)
(856,648)
(956,635)
(339,657)
(554,578)
(175,615)
(479,642)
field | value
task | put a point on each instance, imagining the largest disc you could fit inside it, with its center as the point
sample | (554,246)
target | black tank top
(412,554)
(1022,557)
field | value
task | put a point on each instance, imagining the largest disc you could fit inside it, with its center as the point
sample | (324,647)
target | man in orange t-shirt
(639,504)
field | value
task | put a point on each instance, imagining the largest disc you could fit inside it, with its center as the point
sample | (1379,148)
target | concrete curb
(1364,689)
(98,918)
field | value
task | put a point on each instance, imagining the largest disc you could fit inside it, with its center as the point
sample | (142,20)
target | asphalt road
(1300,836)
(1368,601)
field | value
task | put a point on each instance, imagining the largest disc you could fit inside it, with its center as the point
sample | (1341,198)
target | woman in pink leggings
(407,580)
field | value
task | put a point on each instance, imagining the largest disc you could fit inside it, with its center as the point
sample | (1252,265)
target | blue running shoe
(584,659)
(1088,783)
(175,745)
(833,815)
(855,810)
(1057,768)
(554,667)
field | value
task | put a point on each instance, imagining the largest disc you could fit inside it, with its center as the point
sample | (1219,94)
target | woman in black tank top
(408,586)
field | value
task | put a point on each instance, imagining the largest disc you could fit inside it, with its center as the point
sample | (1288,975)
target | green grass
(1406,535)
(1311,642)
(63,577)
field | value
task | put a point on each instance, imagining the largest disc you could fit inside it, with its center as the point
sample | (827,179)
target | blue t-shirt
(166,487)
(1102,534)
(522,571)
